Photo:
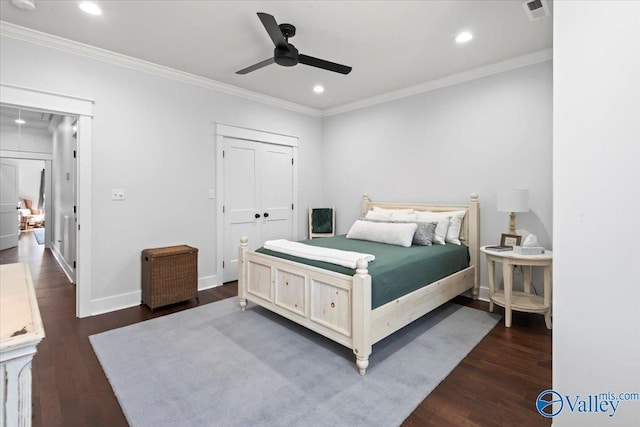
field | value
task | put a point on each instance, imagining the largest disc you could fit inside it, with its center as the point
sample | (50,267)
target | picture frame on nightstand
(510,240)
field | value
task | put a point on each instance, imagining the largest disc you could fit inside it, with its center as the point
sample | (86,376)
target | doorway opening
(72,181)
(40,146)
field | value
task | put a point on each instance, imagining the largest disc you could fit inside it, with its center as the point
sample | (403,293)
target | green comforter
(396,271)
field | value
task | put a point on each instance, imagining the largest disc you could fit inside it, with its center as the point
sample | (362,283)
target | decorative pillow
(424,231)
(442,226)
(400,234)
(455,224)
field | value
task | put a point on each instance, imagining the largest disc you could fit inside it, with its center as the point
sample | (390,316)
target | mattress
(396,270)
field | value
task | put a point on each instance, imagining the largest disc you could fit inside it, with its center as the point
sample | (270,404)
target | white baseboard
(115,302)
(484,293)
(131,299)
(68,270)
(208,282)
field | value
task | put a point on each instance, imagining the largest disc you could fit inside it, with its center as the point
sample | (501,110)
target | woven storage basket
(169,275)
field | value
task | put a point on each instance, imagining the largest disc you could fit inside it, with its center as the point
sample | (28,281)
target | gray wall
(153,137)
(480,136)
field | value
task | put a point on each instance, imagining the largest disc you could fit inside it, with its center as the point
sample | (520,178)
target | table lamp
(513,201)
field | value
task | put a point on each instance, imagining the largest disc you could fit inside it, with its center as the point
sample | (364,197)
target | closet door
(258,197)
(277,192)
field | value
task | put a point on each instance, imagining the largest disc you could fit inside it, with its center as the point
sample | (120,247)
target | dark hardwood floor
(495,385)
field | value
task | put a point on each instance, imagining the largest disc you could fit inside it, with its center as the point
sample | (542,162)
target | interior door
(277,195)
(9,225)
(241,204)
(258,197)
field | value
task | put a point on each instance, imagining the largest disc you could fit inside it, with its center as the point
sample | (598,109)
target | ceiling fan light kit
(285,53)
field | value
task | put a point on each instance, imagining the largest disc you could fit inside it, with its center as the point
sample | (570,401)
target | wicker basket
(169,275)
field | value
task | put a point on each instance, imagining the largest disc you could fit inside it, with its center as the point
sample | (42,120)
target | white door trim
(83,108)
(222,130)
(10,229)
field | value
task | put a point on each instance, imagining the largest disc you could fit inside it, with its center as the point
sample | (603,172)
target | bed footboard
(334,305)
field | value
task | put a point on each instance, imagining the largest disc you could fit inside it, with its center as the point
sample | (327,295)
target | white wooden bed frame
(338,306)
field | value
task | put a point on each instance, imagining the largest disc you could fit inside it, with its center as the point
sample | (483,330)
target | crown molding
(476,73)
(70,46)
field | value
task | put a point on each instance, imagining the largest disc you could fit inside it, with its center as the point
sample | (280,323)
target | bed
(339,304)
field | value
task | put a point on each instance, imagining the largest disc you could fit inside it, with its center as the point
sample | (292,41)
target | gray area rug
(38,233)
(217,366)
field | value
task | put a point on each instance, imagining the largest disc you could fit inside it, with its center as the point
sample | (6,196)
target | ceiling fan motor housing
(286,57)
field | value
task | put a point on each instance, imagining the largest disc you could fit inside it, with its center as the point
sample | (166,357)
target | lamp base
(512,223)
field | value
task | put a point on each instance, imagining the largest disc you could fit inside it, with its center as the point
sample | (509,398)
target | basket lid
(168,251)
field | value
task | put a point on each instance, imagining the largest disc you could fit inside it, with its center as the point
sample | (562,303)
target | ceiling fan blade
(256,66)
(273,29)
(321,63)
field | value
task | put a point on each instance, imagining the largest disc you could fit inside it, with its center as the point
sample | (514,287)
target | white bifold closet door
(258,197)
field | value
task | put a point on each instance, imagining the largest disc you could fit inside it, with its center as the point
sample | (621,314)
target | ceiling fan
(285,53)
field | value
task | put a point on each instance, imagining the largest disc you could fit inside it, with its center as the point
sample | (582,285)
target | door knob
(257,215)
(266,214)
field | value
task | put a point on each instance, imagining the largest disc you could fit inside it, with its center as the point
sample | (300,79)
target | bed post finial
(362,266)
(364,206)
(474,197)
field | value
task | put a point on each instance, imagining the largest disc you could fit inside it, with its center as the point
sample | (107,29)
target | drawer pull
(333,305)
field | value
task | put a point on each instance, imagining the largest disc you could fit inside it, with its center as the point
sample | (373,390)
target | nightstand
(516,300)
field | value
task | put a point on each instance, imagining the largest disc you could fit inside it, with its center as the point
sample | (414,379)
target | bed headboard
(470,230)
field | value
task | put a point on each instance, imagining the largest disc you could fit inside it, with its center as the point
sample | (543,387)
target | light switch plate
(117,194)
(212,194)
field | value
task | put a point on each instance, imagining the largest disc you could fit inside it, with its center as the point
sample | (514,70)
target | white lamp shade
(513,201)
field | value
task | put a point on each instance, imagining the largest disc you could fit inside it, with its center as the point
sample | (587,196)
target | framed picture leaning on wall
(510,240)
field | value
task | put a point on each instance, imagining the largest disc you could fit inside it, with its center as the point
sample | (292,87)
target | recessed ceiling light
(318,89)
(464,37)
(90,7)
(20,121)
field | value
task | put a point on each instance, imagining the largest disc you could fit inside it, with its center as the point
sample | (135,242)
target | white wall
(479,136)
(29,181)
(153,137)
(596,337)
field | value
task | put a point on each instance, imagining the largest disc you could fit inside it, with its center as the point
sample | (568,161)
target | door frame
(12,211)
(35,99)
(222,131)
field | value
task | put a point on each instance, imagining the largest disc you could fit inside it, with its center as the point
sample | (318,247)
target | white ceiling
(391,45)
(35,121)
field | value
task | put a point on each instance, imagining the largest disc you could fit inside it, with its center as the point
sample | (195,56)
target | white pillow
(400,234)
(391,211)
(455,224)
(402,216)
(378,216)
(440,235)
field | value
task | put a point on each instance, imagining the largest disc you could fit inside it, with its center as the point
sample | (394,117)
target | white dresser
(20,332)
